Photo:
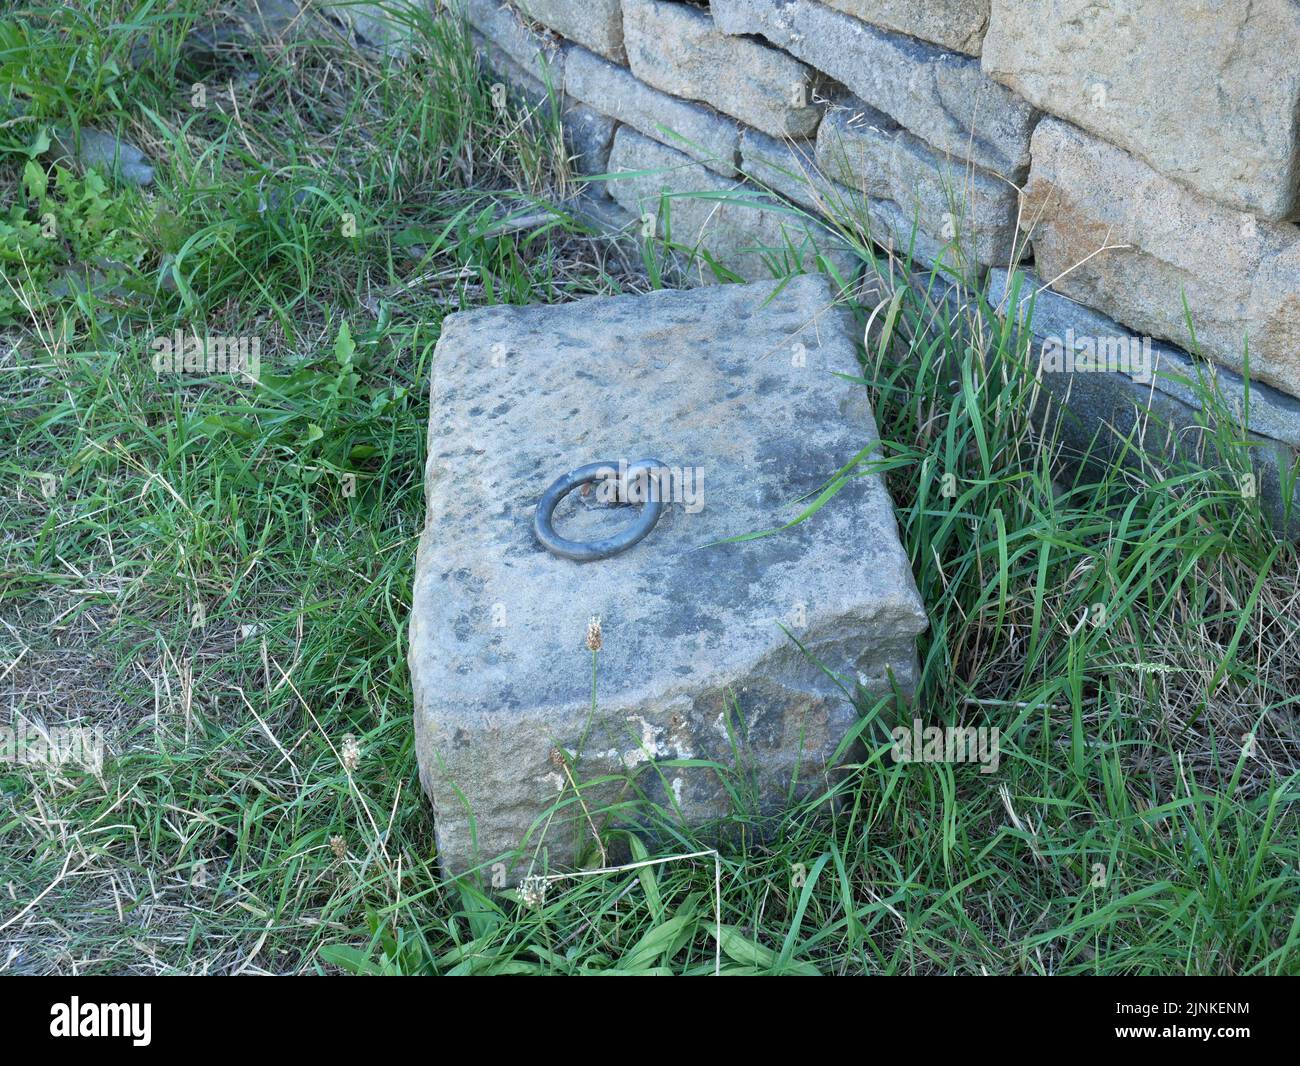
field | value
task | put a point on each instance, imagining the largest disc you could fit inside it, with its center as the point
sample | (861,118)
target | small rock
(104,151)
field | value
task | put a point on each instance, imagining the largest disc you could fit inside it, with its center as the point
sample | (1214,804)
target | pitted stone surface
(941,96)
(1115,234)
(1207,93)
(694,658)
(698,131)
(952,202)
(677,48)
(594,24)
(955,24)
(751,234)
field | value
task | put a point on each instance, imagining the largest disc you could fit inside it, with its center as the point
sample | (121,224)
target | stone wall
(1140,157)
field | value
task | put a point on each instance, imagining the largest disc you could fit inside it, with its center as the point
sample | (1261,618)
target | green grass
(218,573)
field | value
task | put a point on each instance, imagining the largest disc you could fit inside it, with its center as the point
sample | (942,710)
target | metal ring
(589,551)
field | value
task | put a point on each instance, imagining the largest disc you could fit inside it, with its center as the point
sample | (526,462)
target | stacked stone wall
(1137,160)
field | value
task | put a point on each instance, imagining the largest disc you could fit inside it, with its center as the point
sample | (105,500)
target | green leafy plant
(61,226)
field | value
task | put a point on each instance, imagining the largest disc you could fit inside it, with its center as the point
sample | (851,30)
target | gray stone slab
(1100,411)
(791,169)
(732,223)
(943,97)
(952,202)
(588,135)
(677,48)
(737,383)
(522,85)
(698,131)
(594,24)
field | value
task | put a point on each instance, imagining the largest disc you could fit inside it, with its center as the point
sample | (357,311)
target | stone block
(1206,93)
(677,48)
(595,24)
(698,131)
(942,97)
(697,663)
(1110,232)
(1102,401)
(539,56)
(951,202)
(522,85)
(955,24)
(1056,319)
(790,168)
(588,135)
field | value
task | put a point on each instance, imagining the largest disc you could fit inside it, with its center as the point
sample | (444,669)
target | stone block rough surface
(955,24)
(698,131)
(1163,242)
(790,168)
(941,96)
(677,48)
(695,664)
(1207,93)
(594,24)
(951,202)
(1106,412)
(537,55)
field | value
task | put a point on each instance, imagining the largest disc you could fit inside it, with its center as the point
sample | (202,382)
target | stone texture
(955,24)
(790,169)
(1266,411)
(594,24)
(118,158)
(735,224)
(538,56)
(677,48)
(950,201)
(1238,274)
(1157,409)
(698,131)
(695,664)
(588,135)
(1207,93)
(940,96)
